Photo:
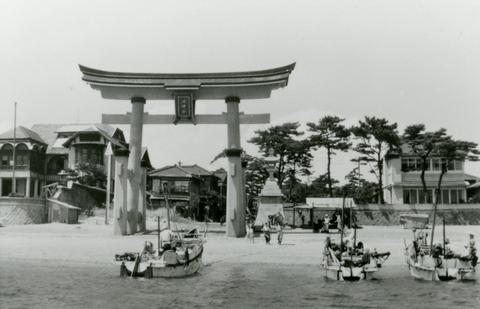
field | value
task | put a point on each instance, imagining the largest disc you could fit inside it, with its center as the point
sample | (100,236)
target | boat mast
(343,225)
(14,182)
(444,251)
(165,188)
(437,197)
(158,235)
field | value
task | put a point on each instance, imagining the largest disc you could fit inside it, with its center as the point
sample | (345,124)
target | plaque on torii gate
(184,90)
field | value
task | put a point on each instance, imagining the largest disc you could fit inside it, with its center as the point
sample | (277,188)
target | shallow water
(35,284)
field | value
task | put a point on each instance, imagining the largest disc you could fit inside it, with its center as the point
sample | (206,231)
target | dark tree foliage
(89,174)
(320,186)
(375,137)
(422,144)
(294,155)
(362,191)
(255,177)
(212,205)
(451,150)
(331,134)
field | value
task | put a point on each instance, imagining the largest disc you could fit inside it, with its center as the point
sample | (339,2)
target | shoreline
(96,244)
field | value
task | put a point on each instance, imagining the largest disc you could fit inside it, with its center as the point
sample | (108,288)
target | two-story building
(403,185)
(28,173)
(73,144)
(46,150)
(185,186)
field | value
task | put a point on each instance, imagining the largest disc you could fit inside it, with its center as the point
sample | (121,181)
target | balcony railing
(172,192)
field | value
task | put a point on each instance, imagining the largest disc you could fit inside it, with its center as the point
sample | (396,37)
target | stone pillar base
(235,218)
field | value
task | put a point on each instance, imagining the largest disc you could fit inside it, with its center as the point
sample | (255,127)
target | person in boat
(471,250)
(449,252)
(359,248)
(333,221)
(266,232)
(167,238)
(148,248)
(326,224)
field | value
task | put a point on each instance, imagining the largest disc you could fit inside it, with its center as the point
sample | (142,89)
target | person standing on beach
(266,232)
(280,235)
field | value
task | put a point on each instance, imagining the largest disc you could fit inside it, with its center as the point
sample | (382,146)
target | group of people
(348,252)
(273,220)
(421,248)
(266,229)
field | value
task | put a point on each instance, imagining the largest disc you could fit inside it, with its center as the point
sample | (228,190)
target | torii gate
(184,89)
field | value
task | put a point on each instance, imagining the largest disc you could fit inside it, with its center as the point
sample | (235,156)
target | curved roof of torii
(203,86)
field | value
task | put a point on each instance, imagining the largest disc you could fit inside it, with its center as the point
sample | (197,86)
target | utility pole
(14,181)
(108,153)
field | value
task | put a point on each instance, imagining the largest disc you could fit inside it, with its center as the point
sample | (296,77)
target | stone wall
(78,196)
(18,210)
(372,214)
(62,212)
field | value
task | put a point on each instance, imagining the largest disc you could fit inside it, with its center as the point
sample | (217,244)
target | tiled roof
(171,171)
(187,171)
(196,170)
(95,127)
(49,133)
(22,133)
(471,177)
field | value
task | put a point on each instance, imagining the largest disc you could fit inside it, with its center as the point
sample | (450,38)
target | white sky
(408,61)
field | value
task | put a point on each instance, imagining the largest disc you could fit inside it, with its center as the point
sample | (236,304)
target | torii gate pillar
(133,168)
(235,218)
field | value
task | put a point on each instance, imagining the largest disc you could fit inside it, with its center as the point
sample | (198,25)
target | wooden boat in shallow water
(352,268)
(438,267)
(438,262)
(183,262)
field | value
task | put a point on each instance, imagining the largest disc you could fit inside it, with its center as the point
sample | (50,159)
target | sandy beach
(94,242)
(70,266)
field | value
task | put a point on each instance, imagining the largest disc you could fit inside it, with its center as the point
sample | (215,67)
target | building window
(6,161)
(458,165)
(89,137)
(436,164)
(181,186)
(89,154)
(411,164)
(453,197)
(406,197)
(156,185)
(424,198)
(6,153)
(461,196)
(451,165)
(445,197)
(410,196)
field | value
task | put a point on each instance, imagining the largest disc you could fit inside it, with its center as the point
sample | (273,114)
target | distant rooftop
(49,133)
(187,171)
(22,133)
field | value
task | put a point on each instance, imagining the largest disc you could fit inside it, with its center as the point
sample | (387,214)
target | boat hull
(452,270)
(161,267)
(348,273)
(151,270)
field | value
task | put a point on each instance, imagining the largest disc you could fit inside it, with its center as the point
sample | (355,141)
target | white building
(403,185)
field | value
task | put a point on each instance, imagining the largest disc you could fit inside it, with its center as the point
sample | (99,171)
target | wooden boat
(438,265)
(183,262)
(354,267)
(357,264)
